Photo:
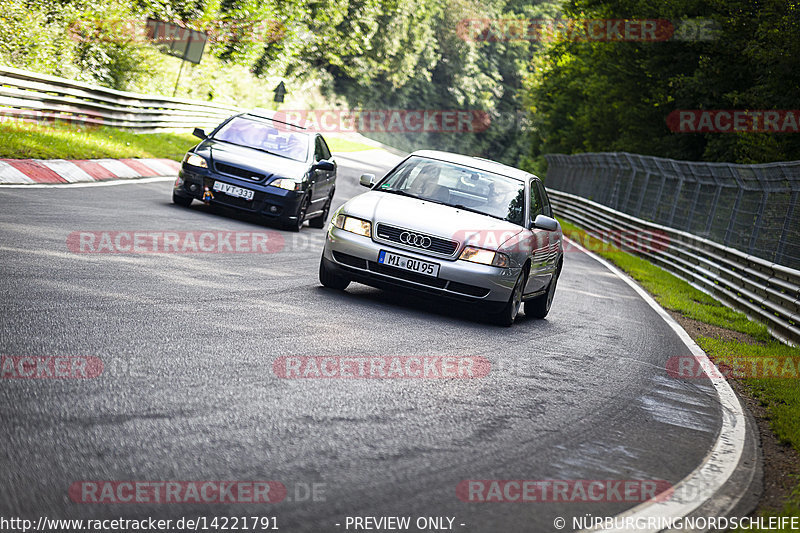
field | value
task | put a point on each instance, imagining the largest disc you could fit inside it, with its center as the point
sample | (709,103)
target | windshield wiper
(465,208)
(400,192)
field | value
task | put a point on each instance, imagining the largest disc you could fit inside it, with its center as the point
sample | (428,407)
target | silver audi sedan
(454,226)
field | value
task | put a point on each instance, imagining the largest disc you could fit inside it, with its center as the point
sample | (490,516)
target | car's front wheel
(295,225)
(181,200)
(539,307)
(331,279)
(319,222)
(510,311)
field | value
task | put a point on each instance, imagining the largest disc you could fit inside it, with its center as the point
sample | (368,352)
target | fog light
(273,209)
(193,187)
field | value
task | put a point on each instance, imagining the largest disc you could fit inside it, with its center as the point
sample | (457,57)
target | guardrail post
(786,227)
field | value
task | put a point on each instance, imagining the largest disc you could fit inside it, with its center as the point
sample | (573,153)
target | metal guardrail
(763,290)
(37,97)
(753,208)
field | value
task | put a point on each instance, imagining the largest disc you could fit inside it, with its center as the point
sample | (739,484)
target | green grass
(66,141)
(340,144)
(669,291)
(779,396)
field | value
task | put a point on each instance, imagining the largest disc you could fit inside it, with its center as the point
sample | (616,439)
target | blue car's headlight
(195,160)
(285,183)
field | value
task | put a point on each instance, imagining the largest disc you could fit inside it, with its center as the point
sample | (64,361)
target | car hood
(429,217)
(249,158)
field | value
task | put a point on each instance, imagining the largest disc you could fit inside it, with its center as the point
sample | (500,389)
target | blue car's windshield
(265,137)
(445,183)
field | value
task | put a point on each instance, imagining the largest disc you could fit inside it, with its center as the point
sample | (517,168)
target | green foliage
(615,96)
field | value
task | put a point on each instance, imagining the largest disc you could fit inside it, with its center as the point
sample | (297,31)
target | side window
(536,201)
(318,151)
(326,153)
(546,210)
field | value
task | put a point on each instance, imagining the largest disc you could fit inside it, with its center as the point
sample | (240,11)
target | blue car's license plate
(233,190)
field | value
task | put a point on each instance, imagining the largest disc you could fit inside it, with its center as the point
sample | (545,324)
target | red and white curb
(33,171)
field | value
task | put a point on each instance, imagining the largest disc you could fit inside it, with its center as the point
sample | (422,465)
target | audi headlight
(195,160)
(285,183)
(485,257)
(353,225)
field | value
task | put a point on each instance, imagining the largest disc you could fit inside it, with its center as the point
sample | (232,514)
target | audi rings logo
(415,239)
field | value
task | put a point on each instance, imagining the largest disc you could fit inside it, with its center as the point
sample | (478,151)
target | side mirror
(199,133)
(367,180)
(324,164)
(545,223)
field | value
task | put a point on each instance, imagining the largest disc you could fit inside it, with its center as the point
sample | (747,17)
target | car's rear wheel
(539,307)
(510,311)
(295,225)
(331,279)
(181,200)
(319,222)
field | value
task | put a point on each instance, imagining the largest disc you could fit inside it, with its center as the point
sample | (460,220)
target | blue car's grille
(238,172)
(425,243)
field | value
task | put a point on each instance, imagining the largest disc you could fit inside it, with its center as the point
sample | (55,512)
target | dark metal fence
(752,208)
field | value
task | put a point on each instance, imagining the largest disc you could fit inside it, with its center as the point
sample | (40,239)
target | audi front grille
(416,240)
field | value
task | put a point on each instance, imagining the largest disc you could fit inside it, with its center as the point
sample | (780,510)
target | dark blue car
(263,166)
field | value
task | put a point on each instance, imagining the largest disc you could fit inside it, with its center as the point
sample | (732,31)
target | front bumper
(356,257)
(267,200)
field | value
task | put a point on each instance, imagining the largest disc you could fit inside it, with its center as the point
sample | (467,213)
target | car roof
(475,162)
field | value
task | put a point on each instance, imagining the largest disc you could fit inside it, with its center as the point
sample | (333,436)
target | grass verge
(67,141)
(780,396)
(342,144)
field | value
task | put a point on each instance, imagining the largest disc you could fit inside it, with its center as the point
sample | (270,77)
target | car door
(323,178)
(540,265)
(552,238)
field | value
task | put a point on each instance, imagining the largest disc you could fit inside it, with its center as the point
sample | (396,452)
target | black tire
(181,200)
(510,311)
(539,307)
(319,222)
(331,279)
(301,216)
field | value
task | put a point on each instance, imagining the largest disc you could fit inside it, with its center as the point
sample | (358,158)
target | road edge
(729,478)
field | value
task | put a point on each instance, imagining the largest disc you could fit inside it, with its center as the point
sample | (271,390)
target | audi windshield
(458,186)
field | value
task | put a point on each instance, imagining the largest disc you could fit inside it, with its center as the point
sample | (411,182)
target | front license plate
(233,190)
(408,263)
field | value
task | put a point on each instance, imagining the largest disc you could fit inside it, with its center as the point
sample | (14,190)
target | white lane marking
(9,174)
(701,484)
(67,170)
(118,168)
(107,183)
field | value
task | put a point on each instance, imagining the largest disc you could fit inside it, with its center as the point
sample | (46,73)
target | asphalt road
(188,390)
